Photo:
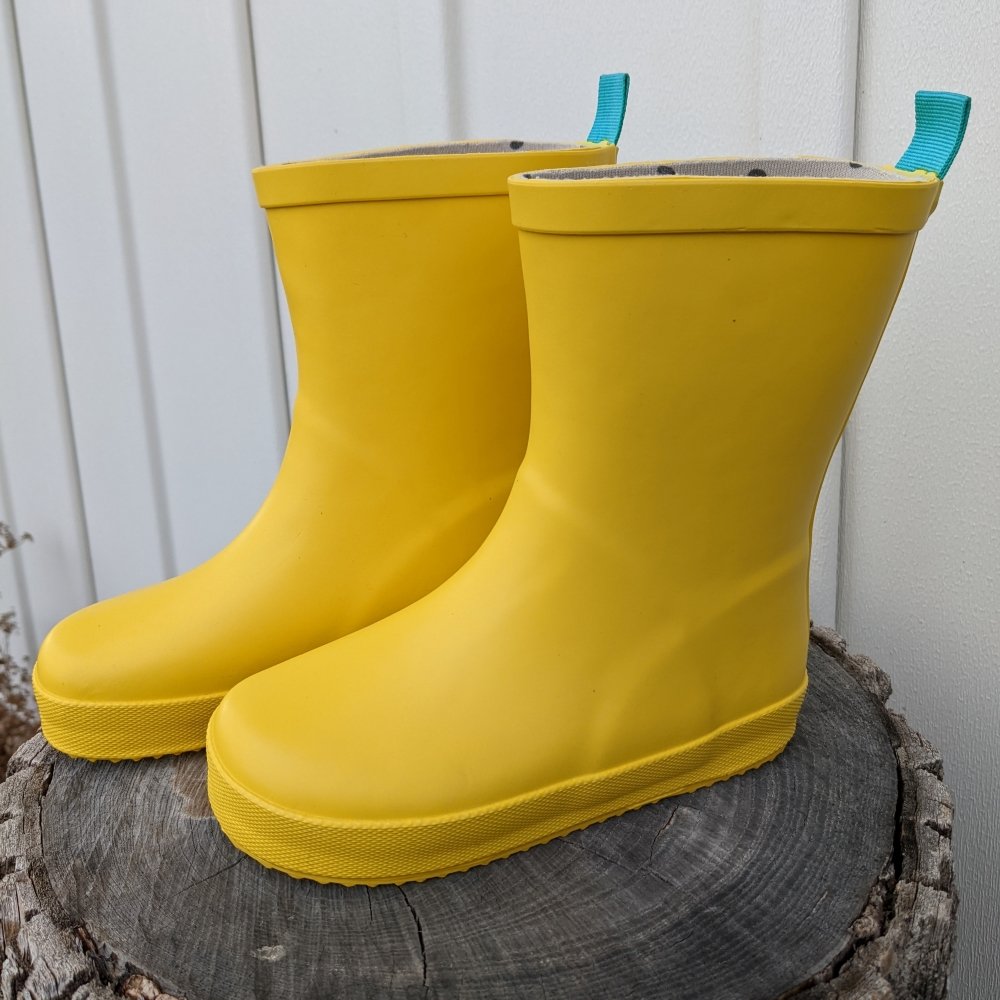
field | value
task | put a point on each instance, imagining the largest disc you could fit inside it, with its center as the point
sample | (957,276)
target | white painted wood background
(145,357)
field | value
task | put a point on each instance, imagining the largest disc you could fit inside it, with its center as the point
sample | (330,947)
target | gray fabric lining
(798,167)
(448,148)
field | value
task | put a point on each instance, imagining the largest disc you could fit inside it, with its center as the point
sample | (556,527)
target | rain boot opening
(791,167)
(451,148)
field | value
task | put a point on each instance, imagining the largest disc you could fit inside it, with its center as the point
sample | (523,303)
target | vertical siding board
(100,334)
(920,588)
(532,69)
(807,73)
(40,488)
(183,80)
(427,90)
(328,77)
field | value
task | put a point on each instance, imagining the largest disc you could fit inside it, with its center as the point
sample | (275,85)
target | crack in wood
(659,833)
(420,938)
(208,878)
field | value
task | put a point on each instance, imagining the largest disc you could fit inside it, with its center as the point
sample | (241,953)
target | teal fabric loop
(612,97)
(941,121)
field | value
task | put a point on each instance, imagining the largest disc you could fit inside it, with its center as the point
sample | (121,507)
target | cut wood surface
(825,874)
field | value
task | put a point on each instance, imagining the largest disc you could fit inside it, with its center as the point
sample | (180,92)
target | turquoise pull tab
(941,121)
(612,97)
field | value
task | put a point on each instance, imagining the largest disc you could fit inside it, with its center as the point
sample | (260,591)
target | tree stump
(825,874)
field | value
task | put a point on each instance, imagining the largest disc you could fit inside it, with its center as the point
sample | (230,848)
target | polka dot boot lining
(798,167)
(449,148)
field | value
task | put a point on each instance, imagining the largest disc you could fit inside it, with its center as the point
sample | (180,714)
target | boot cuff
(439,170)
(803,194)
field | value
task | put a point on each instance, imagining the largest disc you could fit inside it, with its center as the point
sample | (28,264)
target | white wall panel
(921,546)
(91,256)
(338,77)
(146,129)
(181,76)
(805,69)
(708,79)
(36,441)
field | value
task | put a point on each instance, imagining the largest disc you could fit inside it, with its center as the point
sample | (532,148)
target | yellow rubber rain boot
(404,286)
(636,624)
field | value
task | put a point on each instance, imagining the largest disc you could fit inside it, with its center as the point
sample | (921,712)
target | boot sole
(392,852)
(123,730)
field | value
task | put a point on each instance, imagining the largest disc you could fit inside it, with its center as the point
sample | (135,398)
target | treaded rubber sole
(124,730)
(397,851)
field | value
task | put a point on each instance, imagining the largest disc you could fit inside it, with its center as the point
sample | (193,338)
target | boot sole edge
(116,731)
(325,850)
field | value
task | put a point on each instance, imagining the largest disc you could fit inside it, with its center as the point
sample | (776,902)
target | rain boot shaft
(404,287)
(636,623)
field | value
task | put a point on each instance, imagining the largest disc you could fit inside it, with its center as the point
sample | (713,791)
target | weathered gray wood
(826,874)
(43,954)
(904,939)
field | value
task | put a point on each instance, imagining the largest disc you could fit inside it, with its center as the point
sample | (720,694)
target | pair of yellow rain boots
(446,637)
